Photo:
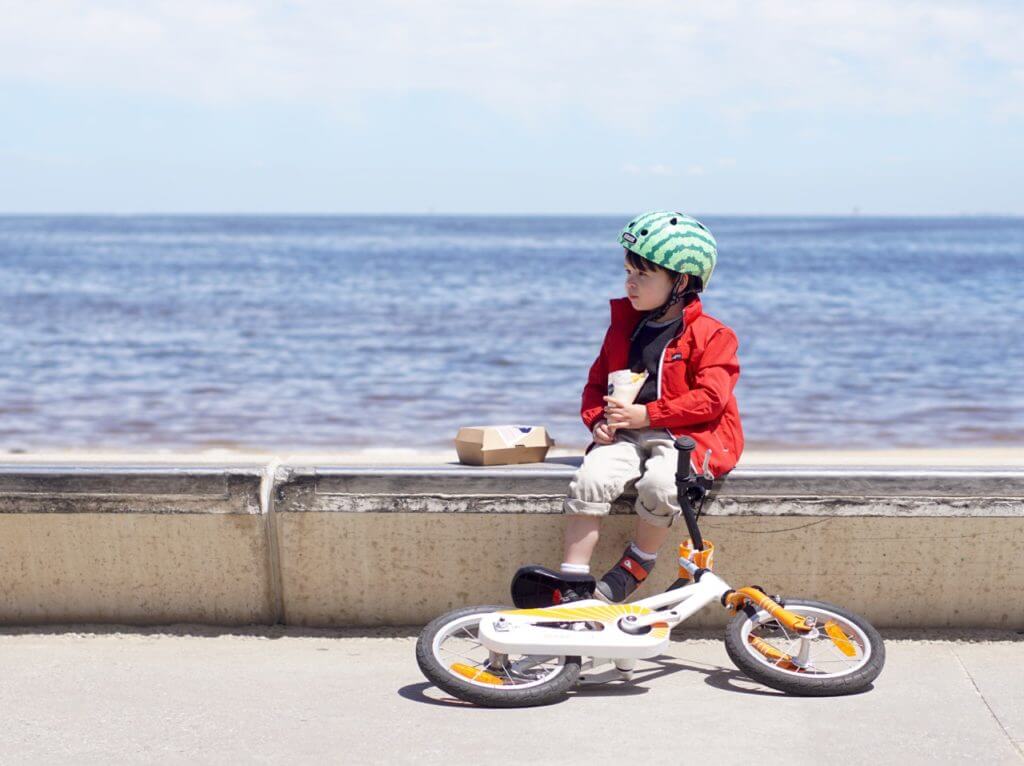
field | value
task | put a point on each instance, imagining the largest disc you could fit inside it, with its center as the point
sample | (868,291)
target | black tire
(552,689)
(807,685)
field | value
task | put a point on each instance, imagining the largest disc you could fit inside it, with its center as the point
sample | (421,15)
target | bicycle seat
(535,586)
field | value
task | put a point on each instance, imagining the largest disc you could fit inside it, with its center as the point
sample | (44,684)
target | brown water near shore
(972,457)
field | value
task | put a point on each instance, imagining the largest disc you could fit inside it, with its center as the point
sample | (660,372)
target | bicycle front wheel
(842,656)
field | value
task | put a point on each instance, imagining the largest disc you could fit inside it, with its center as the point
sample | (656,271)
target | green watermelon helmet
(674,241)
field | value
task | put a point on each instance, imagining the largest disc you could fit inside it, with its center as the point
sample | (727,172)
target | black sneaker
(624,578)
(568,594)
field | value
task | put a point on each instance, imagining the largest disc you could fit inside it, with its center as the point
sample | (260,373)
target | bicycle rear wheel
(451,656)
(843,656)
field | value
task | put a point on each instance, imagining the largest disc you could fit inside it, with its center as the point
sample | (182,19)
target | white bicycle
(535,653)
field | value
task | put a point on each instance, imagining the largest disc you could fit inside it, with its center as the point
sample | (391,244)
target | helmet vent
(674,221)
(632,224)
(643,232)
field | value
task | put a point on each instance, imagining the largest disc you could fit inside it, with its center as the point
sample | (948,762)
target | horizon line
(438,214)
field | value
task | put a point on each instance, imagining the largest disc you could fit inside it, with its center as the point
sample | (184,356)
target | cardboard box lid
(505,436)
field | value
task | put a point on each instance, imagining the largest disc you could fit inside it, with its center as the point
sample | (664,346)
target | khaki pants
(646,456)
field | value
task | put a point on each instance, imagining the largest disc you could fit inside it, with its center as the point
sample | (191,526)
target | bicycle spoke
(470,648)
(839,657)
(475,663)
(508,673)
(530,662)
(824,657)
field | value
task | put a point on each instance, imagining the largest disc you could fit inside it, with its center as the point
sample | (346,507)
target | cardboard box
(502,445)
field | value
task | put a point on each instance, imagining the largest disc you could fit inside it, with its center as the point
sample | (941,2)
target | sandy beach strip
(1010,457)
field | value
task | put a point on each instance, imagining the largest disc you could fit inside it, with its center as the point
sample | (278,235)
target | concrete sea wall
(365,546)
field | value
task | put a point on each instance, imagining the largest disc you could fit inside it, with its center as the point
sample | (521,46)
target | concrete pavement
(275,695)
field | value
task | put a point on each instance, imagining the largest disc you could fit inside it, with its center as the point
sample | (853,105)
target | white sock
(641,555)
(575,568)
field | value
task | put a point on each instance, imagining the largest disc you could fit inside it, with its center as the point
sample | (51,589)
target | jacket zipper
(661,363)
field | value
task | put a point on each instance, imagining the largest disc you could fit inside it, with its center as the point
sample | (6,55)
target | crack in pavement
(1013,743)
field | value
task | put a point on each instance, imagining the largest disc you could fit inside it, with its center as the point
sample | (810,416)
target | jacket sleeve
(592,408)
(714,380)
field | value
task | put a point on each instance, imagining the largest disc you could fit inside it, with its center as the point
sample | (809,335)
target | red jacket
(698,372)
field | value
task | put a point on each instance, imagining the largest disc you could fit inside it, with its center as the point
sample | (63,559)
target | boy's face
(649,289)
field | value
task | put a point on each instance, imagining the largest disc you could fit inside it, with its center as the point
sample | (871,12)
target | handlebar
(688,488)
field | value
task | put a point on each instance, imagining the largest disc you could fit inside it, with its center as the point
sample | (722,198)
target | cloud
(624,62)
(656,169)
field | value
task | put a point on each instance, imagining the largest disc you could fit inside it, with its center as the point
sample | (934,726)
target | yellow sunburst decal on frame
(604,613)
(600,613)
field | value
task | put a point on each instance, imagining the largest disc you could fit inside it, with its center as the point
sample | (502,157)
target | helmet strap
(656,314)
(674,297)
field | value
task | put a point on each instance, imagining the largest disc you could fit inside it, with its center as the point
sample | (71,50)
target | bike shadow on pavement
(663,665)
(650,669)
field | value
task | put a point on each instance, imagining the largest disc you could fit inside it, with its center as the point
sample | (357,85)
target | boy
(692,369)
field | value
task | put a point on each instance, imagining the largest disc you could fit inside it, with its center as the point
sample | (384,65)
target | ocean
(342,333)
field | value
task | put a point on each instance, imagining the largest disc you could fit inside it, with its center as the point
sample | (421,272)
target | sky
(555,107)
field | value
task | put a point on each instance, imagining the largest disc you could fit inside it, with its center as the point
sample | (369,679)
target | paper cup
(624,385)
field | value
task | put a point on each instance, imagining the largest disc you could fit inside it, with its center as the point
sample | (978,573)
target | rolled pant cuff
(585,508)
(655,519)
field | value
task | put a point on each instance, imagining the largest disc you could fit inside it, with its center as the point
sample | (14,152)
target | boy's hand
(603,434)
(621,415)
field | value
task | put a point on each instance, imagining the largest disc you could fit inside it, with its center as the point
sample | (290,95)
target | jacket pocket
(674,375)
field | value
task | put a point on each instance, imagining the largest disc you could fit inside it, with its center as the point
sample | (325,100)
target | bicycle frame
(628,631)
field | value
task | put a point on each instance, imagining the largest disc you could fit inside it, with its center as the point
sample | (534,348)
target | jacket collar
(623,313)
